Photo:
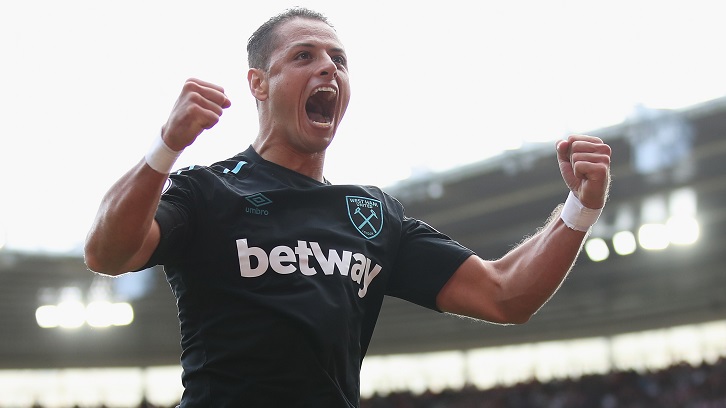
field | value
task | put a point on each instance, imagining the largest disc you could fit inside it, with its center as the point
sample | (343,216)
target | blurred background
(455,111)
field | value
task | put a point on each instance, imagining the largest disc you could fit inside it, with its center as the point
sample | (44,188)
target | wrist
(161,157)
(578,217)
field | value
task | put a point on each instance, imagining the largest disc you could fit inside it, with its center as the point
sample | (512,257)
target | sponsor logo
(366,214)
(309,259)
(258,200)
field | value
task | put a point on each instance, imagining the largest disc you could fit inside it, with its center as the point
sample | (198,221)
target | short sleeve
(174,216)
(425,262)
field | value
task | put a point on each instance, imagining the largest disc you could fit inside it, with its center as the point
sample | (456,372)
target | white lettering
(245,265)
(304,253)
(368,279)
(285,260)
(281,254)
(363,203)
(328,264)
(356,272)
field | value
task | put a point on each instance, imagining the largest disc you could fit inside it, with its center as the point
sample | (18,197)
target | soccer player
(279,276)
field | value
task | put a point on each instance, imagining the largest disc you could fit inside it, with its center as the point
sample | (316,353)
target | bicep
(149,245)
(474,290)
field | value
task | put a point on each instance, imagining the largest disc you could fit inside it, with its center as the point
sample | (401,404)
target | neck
(309,164)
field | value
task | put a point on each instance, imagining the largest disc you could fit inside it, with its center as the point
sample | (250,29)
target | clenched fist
(585,166)
(198,107)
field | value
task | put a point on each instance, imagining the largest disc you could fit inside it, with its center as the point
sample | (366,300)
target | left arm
(512,288)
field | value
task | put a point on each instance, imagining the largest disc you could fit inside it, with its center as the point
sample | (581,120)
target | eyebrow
(310,45)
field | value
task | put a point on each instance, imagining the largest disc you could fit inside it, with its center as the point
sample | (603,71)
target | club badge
(366,214)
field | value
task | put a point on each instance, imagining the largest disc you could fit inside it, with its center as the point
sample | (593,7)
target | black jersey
(279,280)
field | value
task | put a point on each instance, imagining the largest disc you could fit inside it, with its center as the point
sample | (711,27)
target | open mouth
(320,106)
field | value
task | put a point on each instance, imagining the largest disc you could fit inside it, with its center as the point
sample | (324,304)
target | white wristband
(577,216)
(160,157)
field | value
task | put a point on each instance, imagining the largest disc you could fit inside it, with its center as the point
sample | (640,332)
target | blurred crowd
(679,386)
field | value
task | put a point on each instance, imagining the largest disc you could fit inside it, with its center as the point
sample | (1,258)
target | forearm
(124,220)
(533,271)
(124,235)
(512,288)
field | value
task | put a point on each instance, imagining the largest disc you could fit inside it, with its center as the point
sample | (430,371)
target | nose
(329,68)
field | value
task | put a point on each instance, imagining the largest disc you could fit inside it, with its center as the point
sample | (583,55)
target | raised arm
(124,234)
(512,288)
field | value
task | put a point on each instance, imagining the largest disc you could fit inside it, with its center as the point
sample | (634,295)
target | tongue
(317,117)
(315,111)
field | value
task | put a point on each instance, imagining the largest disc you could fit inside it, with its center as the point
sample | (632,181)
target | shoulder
(374,191)
(238,165)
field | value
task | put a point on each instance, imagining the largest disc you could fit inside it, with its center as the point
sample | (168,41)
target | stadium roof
(488,206)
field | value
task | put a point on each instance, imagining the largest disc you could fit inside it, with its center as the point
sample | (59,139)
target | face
(306,87)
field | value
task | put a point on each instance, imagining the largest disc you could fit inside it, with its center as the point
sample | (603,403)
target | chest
(270,239)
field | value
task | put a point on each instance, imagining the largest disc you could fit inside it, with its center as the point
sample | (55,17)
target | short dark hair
(262,42)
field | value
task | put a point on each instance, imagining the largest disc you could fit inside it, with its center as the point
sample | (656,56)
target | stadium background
(659,304)
(436,86)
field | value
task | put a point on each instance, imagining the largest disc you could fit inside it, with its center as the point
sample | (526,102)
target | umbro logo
(258,200)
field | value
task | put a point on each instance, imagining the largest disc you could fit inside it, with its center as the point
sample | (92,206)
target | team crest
(366,214)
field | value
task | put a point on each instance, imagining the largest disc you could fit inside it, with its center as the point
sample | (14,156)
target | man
(279,276)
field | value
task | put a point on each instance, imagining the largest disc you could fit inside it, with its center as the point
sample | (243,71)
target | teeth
(331,91)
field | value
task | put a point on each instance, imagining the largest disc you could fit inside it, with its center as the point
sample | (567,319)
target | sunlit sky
(86,86)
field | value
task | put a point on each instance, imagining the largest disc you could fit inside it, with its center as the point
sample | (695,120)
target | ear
(258,83)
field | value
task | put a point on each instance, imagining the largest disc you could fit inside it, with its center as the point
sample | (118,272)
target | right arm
(124,233)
